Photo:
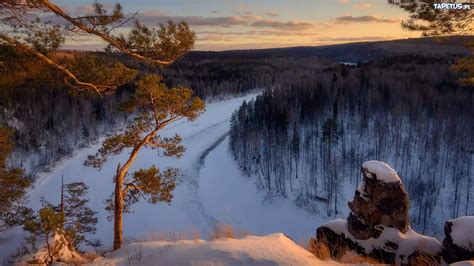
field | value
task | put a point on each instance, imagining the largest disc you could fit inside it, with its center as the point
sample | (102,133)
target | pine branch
(97,88)
(104,36)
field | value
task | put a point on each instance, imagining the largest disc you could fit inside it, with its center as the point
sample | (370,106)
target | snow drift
(275,249)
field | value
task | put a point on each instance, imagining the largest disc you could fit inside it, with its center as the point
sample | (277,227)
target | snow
(348,63)
(407,243)
(59,247)
(463,232)
(10,241)
(233,199)
(361,189)
(463,263)
(382,171)
(275,249)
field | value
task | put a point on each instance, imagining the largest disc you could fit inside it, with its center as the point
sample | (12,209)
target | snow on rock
(361,189)
(462,232)
(463,263)
(458,244)
(381,171)
(378,202)
(59,251)
(378,225)
(391,246)
(275,249)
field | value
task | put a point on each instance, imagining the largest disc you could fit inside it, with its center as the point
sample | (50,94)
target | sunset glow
(231,24)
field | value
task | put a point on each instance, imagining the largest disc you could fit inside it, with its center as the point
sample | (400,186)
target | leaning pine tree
(28,33)
(156,107)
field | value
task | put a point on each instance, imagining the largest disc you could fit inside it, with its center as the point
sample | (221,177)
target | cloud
(286,25)
(347,19)
(215,12)
(363,5)
(344,1)
(272,14)
(250,17)
(155,18)
(87,9)
(257,33)
(246,12)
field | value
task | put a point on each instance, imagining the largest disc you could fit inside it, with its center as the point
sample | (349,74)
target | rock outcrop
(380,200)
(378,225)
(458,244)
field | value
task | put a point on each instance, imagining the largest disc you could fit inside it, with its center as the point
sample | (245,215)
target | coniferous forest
(303,138)
(306,139)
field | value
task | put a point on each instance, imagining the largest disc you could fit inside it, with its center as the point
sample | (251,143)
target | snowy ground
(274,249)
(212,189)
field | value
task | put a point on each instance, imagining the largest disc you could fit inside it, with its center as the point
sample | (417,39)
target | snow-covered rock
(59,251)
(275,249)
(458,244)
(380,199)
(380,171)
(378,226)
(391,246)
(463,263)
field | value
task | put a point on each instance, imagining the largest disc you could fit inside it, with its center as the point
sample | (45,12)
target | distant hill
(351,52)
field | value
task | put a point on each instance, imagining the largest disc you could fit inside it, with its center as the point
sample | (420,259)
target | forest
(50,121)
(305,140)
(36,103)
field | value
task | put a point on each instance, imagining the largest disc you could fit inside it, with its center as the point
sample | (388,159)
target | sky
(232,24)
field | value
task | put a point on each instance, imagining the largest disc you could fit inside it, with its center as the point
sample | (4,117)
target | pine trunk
(119,193)
(118,210)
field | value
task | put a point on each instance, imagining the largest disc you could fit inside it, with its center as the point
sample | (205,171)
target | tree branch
(129,186)
(104,36)
(97,88)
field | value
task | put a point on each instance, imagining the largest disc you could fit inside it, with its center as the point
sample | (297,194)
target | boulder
(379,200)
(378,225)
(458,244)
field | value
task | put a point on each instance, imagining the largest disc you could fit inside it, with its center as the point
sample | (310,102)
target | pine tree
(432,21)
(438,22)
(43,227)
(79,219)
(26,31)
(156,106)
(12,186)
(72,219)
